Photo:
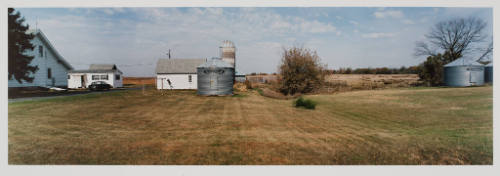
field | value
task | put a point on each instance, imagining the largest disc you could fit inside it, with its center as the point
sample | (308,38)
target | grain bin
(463,72)
(488,73)
(215,77)
(228,52)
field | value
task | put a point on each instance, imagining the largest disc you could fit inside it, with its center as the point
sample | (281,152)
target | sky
(135,38)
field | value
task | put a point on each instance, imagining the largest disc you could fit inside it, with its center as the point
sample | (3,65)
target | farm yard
(413,125)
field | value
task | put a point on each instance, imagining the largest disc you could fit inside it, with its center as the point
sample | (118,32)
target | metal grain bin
(463,73)
(215,77)
(488,73)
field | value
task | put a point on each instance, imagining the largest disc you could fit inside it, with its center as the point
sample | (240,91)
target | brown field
(391,126)
(138,80)
(372,81)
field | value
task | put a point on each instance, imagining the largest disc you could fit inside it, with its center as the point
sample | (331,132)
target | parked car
(99,85)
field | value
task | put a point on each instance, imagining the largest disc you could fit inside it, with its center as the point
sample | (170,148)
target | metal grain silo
(215,77)
(488,73)
(462,73)
(228,52)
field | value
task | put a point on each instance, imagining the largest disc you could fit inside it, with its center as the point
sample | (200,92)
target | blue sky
(134,38)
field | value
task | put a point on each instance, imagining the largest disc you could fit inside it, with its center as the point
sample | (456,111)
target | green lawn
(393,126)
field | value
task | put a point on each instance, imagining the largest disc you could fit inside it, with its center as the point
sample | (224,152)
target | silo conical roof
(462,62)
(215,62)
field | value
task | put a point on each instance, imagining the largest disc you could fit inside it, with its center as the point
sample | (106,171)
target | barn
(177,73)
(108,73)
(52,67)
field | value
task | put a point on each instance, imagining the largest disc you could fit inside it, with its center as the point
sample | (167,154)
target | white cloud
(339,17)
(378,35)
(407,21)
(389,13)
(353,22)
(356,31)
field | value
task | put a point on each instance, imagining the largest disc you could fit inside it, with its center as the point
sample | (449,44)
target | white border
(6,169)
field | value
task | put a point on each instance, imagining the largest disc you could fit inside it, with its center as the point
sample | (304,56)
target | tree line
(381,70)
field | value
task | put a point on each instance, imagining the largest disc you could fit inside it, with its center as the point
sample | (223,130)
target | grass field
(392,126)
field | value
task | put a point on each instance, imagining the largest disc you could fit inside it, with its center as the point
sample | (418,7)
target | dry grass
(398,126)
(139,80)
(371,81)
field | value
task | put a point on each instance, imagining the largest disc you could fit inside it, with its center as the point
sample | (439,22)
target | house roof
(60,59)
(102,67)
(178,65)
(99,68)
(463,61)
(215,62)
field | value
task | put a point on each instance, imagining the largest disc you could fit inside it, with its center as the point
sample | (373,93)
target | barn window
(117,77)
(104,77)
(95,77)
(68,77)
(49,73)
(190,78)
(40,50)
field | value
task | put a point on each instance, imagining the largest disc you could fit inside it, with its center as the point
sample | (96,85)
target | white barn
(52,68)
(108,73)
(177,73)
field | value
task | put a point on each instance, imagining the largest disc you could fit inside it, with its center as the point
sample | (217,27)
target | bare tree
(456,36)
(485,58)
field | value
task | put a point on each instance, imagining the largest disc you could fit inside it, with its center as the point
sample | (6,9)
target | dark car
(99,85)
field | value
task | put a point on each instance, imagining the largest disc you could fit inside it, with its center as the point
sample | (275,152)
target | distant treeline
(382,70)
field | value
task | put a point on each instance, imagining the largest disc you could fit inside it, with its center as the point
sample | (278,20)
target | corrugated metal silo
(488,73)
(228,52)
(463,73)
(215,77)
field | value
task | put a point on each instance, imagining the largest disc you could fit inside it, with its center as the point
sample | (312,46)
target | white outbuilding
(108,73)
(52,68)
(177,73)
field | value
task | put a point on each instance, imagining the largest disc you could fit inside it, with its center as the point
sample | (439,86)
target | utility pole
(168,53)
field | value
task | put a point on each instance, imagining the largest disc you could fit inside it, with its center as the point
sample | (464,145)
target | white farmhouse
(177,73)
(52,68)
(108,73)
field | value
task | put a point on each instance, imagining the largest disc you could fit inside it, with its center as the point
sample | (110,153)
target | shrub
(306,103)
(300,71)
(431,71)
(248,84)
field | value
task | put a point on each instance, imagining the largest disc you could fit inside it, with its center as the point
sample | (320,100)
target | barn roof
(60,59)
(463,61)
(178,65)
(215,62)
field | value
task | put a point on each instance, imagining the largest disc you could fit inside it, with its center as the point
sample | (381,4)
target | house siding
(179,81)
(48,60)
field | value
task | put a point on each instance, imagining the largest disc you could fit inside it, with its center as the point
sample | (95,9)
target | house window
(190,78)
(68,76)
(95,77)
(117,77)
(104,77)
(40,50)
(49,73)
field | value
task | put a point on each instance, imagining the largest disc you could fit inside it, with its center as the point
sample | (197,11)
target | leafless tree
(485,58)
(456,36)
